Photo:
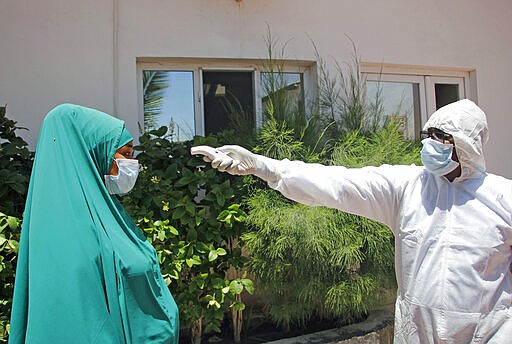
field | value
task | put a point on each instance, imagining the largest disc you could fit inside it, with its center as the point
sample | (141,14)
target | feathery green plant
(386,146)
(286,107)
(315,261)
(342,97)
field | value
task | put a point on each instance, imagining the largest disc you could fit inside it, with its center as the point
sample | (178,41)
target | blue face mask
(437,157)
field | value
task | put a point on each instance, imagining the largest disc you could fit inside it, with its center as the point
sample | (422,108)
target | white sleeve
(372,192)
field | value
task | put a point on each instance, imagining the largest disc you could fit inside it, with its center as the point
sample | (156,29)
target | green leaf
(191,209)
(173,230)
(13,244)
(237,306)
(160,131)
(236,286)
(221,199)
(214,303)
(247,283)
(13,222)
(174,274)
(193,261)
(172,171)
(178,213)
(212,256)
(192,234)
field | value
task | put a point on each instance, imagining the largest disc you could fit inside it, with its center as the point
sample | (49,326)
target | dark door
(228,99)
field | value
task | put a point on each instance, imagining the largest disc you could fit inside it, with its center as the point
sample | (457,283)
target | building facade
(104,54)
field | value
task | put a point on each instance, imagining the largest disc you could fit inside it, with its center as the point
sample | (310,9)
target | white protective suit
(452,239)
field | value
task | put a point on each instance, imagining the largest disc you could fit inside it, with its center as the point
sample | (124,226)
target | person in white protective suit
(451,219)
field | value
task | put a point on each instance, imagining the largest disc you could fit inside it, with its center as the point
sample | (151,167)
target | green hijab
(86,273)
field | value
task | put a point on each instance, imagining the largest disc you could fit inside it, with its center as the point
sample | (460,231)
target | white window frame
(430,84)
(427,78)
(198,65)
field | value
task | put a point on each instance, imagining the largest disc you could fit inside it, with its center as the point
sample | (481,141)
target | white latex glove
(237,160)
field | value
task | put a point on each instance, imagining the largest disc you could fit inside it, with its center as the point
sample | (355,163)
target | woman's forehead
(129,145)
(126,150)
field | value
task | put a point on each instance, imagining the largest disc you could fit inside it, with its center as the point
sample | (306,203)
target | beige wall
(53,52)
(85,52)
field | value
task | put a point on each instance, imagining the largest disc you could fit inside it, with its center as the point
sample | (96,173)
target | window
(288,85)
(204,96)
(169,101)
(409,94)
(398,101)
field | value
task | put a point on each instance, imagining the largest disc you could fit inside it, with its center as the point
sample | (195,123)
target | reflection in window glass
(398,101)
(169,101)
(288,87)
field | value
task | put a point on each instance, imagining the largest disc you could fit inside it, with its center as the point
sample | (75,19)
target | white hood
(467,123)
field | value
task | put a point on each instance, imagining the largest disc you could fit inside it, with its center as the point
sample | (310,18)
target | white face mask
(437,157)
(125,179)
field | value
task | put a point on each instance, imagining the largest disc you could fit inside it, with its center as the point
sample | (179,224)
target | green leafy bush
(15,167)
(190,214)
(10,229)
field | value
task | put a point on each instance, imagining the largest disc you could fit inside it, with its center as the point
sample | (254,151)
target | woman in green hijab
(86,273)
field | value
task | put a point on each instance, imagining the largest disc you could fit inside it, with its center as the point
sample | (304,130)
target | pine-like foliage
(320,262)
(315,261)
(385,146)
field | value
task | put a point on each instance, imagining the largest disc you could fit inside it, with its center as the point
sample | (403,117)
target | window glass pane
(286,87)
(169,101)
(398,101)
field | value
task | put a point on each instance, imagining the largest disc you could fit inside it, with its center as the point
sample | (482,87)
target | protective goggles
(436,134)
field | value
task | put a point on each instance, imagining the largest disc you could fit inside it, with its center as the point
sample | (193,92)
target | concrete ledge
(376,329)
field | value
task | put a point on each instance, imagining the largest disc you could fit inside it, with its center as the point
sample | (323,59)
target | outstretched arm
(371,192)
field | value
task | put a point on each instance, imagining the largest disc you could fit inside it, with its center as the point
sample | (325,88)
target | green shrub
(15,167)
(385,146)
(313,261)
(319,262)
(10,229)
(190,214)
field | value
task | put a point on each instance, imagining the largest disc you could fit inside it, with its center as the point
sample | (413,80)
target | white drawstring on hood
(467,123)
